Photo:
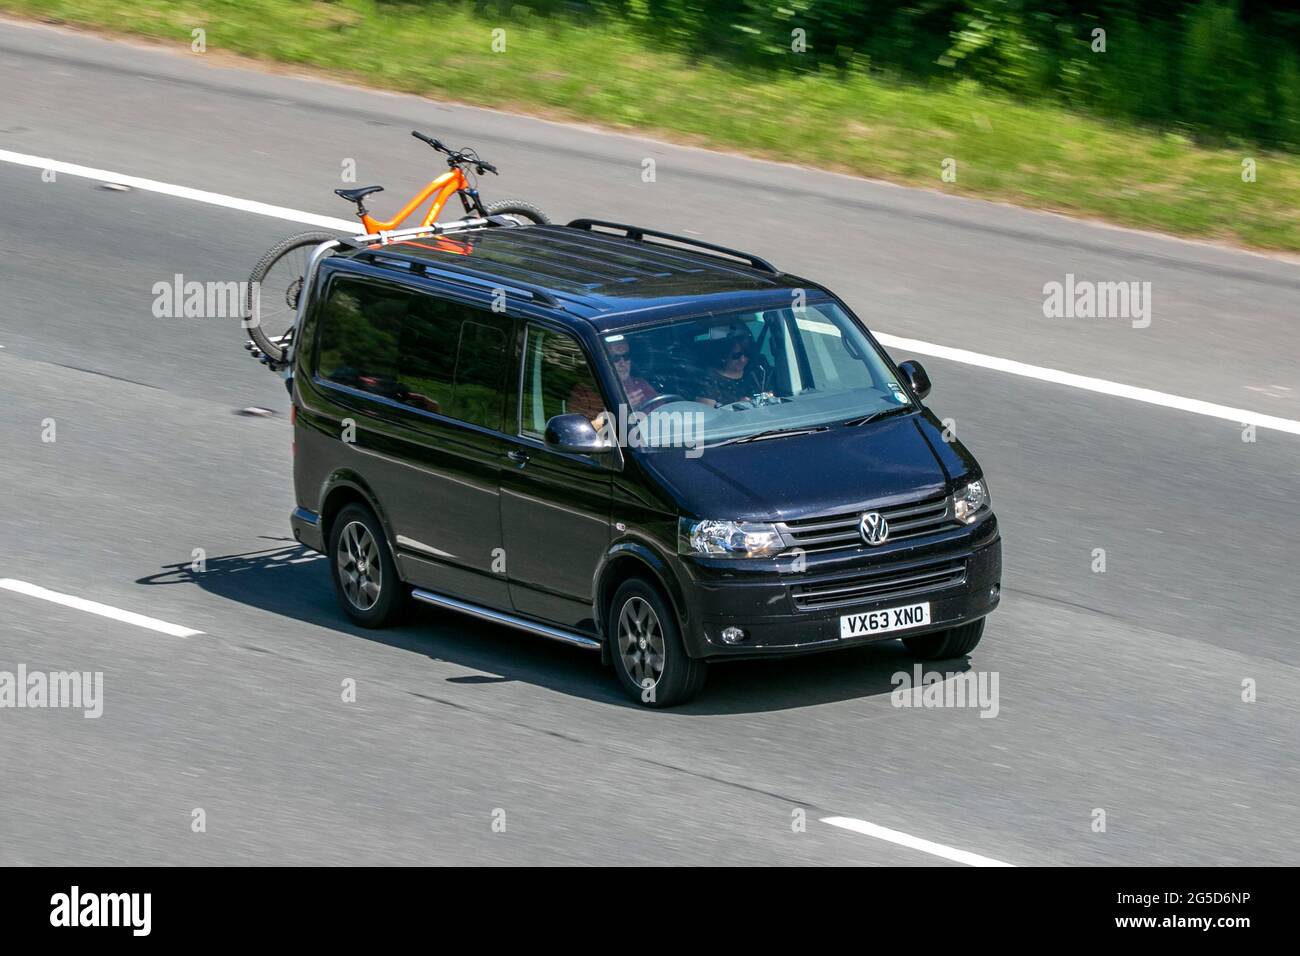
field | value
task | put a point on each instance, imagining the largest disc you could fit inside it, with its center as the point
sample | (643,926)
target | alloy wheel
(360,570)
(641,642)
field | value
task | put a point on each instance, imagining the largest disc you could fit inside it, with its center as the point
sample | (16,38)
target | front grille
(909,520)
(881,583)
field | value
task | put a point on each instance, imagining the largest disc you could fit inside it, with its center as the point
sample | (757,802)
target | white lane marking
(94,607)
(1087,383)
(1102,386)
(180,192)
(916,843)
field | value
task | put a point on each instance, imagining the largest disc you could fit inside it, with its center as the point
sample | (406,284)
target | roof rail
(638,233)
(457,273)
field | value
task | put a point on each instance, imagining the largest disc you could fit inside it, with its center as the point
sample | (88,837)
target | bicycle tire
(280,303)
(518,207)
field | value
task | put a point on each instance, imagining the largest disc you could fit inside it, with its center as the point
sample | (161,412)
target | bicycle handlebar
(430,140)
(456,156)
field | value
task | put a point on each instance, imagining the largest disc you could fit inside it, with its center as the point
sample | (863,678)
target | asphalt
(1119,691)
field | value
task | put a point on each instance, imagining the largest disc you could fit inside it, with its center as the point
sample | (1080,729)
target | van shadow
(292,581)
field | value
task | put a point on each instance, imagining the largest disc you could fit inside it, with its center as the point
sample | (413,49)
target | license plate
(890,619)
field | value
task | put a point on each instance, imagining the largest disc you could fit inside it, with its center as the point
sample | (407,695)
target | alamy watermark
(927,689)
(179,298)
(628,428)
(1084,299)
(129,910)
(76,690)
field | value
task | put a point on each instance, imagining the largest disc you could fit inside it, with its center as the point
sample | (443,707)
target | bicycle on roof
(275,286)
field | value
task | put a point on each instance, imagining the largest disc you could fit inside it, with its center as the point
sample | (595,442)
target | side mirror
(916,377)
(574,433)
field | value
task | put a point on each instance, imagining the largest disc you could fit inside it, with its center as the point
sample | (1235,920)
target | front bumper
(778,619)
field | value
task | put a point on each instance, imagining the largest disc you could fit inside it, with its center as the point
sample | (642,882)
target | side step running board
(509,620)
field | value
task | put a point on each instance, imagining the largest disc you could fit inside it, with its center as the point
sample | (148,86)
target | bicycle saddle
(358,194)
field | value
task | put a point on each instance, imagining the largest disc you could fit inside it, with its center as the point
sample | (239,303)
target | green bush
(1211,68)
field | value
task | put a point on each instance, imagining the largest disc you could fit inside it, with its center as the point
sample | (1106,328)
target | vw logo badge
(874,528)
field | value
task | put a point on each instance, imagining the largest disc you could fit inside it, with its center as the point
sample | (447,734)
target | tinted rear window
(428,353)
(360,335)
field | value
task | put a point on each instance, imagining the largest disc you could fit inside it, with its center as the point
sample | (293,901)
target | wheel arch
(634,559)
(345,487)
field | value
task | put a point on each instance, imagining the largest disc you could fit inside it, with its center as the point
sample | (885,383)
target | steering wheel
(663,399)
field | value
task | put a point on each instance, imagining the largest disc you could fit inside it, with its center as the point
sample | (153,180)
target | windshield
(729,377)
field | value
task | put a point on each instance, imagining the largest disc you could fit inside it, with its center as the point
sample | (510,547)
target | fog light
(732,635)
(994,592)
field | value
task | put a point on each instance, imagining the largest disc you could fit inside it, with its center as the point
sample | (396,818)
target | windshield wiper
(771,433)
(882,413)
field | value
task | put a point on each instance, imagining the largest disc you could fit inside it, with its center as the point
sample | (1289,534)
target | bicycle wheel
(271,305)
(520,209)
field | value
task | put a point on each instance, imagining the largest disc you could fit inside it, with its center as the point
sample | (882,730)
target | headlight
(734,539)
(969,500)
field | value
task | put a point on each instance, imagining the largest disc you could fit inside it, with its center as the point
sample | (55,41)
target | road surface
(1119,690)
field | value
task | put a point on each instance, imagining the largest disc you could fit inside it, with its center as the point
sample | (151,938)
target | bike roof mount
(388,236)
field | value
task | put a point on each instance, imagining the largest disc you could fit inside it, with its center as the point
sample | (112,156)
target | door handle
(518,455)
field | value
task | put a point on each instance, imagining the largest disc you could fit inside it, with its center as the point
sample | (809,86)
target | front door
(554,506)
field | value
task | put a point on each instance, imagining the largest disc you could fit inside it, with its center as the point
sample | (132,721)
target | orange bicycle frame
(445,186)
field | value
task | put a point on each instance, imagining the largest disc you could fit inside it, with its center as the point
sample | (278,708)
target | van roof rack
(639,234)
(378,246)
(450,272)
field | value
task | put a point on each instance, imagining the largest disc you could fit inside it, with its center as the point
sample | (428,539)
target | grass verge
(1034,155)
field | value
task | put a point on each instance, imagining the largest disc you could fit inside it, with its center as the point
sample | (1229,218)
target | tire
(387,603)
(942,645)
(680,677)
(279,278)
(517,207)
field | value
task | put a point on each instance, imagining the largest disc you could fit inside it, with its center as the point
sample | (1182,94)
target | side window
(557,381)
(453,361)
(416,349)
(478,395)
(360,332)
(428,356)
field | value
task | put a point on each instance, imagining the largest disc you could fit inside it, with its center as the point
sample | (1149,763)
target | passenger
(730,377)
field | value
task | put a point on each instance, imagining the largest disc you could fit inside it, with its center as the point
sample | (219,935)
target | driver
(637,390)
(583,398)
(730,377)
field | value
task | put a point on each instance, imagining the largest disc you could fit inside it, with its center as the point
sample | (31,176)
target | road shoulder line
(915,843)
(94,607)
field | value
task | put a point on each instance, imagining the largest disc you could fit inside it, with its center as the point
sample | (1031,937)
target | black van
(656,448)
